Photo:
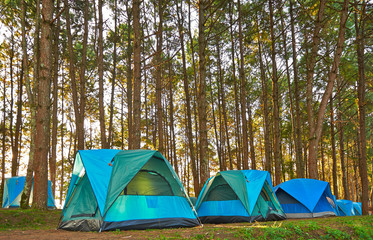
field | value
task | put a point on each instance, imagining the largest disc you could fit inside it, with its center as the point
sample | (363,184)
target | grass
(356,227)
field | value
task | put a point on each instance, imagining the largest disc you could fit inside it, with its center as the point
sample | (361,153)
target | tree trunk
(100,63)
(224,110)
(334,154)
(236,94)
(245,145)
(341,148)
(298,139)
(79,106)
(267,143)
(40,196)
(286,57)
(202,103)
(188,104)
(275,99)
(311,62)
(113,81)
(136,75)
(251,137)
(360,42)
(129,79)
(3,144)
(32,94)
(316,129)
(62,143)
(158,72)
(52,159)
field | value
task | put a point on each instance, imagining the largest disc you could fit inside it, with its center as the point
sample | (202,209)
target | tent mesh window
(221,191)
(148,183)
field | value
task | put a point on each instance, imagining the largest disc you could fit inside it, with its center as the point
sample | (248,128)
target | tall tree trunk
(275,99)
(158,72)
(342,147)
(251,138)
(195,92)
(40,196)
(62,143)
(31,88)
(360,46)
(245,145)
(188,104)
(100,63)
(286,57)
(311,62)
(224,111)
(3,144)
(267,143)
(136,75)
(17,137)
(114,75)
(298,139)
(334,154)
(316,128)
(79,105)
(218,145)
(202,103)
(129,78)
(52,159)
(236,94)
(11,133)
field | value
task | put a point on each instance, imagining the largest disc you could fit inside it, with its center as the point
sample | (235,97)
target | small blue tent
(357,208)
(306,198)
(131,189)
(239,196)
(345,207)
(13,189)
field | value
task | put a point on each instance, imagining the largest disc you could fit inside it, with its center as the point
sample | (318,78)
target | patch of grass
(24,219)
(356,227)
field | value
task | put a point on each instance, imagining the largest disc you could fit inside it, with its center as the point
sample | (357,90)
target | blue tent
(131,189)
(357,208)
(13,189)
(239,196)
(306,198)
(345,207)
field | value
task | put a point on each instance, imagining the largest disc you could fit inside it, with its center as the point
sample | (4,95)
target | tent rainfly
(239,196)
(345,207)
(13,189)
(131,189)
(306,198)
(357,208)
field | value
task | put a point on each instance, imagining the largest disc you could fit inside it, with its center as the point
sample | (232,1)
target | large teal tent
(13,189)
(132,189)
(239,196)
(306,198)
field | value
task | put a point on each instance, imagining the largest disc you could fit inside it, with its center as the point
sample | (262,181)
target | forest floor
(32,224)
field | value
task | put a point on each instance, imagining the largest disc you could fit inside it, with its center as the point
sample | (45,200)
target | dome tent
(306,198)
(13,189)
(238,196)
(345,207)
(125,189)
(357,208)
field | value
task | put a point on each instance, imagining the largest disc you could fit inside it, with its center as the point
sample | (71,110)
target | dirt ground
(179,233)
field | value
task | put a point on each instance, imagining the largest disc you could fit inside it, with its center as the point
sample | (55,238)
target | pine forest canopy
(281,86)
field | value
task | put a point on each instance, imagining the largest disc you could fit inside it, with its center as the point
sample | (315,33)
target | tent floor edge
(230,219)
(274,216)
(141,224)
(83,225)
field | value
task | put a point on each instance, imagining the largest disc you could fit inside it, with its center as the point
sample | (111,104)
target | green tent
(239,196)
(132,189)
